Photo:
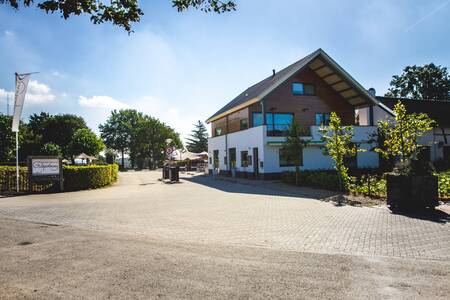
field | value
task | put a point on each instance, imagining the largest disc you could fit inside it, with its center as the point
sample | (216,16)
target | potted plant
(412,184)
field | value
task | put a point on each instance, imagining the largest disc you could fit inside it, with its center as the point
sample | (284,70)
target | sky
(183,67)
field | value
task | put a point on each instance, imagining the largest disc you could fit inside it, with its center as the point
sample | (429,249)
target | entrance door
(255,163)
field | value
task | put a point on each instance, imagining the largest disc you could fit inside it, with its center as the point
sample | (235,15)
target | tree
(198,140)
(85,141)
(7,139)
(402,133)
(121,13)
(429,82)
(293,147)
(338,145)
(51,149)
(119,129)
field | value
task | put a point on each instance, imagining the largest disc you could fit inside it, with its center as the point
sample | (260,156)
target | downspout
(226,144)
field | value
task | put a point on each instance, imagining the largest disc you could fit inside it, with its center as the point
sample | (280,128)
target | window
(277,123)
(244,159)
(232,153)
(225,163)
(218,131)
(244,124)
(287,161)
(303,89)
(322,119)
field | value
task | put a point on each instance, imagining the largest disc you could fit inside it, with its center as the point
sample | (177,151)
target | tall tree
(118,131)
(198,140)
(293,147)
(85,141)
(429,82)
(121,13)
(7,139)
(338,145)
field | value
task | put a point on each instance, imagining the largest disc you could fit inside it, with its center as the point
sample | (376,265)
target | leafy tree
(110,156)
(293,147)
(85,141)
(338,145)
(7,139)
(119,129)
(421,82)
(121,13)
(51,149)
(402,133)
(198,140)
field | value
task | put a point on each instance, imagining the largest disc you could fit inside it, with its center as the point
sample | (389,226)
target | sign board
(45,168)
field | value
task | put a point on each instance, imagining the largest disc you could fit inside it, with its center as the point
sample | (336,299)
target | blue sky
(183,67)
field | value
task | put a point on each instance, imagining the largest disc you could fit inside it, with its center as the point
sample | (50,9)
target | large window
(277,123)
(287,161)
(299,88)
(244,159)
(322,119)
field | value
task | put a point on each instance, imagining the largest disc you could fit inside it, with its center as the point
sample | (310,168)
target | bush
(318,179)
(444,184)
(89,177)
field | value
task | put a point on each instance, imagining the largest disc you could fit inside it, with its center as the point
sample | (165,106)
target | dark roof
(261,86)
(438,110)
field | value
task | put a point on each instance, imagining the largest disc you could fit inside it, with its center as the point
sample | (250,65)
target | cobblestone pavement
(201,209)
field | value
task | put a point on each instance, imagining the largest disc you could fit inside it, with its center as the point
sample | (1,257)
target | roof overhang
(327,69)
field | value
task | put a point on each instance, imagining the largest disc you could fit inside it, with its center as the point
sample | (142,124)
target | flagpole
(17,160)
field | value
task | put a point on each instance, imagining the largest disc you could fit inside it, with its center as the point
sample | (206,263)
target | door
(255,162)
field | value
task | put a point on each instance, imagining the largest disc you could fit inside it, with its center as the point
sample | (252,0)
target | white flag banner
(21,89)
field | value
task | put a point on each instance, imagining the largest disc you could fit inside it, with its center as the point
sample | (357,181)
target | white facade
(269,146)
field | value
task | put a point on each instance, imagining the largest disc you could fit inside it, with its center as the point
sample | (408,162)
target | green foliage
(8,181)
(7,139)
(143,137)
(327,180)
(85,141)
(338,145)
(51,149)
(89,177)
(368,185)
(421,82)
(402,133)
(198,140)
(121,13)
(293,146)
(110,156)
(444,184)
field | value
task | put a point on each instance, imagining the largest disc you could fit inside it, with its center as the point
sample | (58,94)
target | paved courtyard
(204,210)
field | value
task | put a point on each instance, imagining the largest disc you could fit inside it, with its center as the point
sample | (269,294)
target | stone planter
(411,192)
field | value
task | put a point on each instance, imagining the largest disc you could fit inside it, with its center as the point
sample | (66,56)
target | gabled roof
(322,64)
(438,110)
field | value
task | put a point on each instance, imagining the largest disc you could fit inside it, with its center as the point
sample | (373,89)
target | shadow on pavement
(257,187)
(433,215)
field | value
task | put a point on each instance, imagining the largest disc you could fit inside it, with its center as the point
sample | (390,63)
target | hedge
(369,185)
(89,177)
(75,178)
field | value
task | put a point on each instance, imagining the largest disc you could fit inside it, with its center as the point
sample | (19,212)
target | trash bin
(165,171)
(174,174)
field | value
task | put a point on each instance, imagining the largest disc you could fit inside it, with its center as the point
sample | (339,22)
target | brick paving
(204,210)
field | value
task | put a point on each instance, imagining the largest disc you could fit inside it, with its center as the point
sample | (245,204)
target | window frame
(244,162)
(241,122)
(288,164)
(303,90)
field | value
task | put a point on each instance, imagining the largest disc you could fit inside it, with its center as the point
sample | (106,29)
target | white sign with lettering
(45,166)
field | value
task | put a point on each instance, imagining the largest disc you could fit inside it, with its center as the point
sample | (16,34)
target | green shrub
(88,177)
(8,179)
(318,179)
(444,184)
(369,185)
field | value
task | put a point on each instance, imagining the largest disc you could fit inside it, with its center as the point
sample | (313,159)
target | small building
(248,132)
(436,141)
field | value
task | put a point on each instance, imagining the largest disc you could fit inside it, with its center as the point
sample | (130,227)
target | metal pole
(17,160)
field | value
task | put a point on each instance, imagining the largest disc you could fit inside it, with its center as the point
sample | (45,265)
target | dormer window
(305,89)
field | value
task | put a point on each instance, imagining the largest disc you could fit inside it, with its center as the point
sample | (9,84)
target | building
(248,132)
(436,142)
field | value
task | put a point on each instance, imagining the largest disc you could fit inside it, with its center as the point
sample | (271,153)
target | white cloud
(38,93)
(101,102)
